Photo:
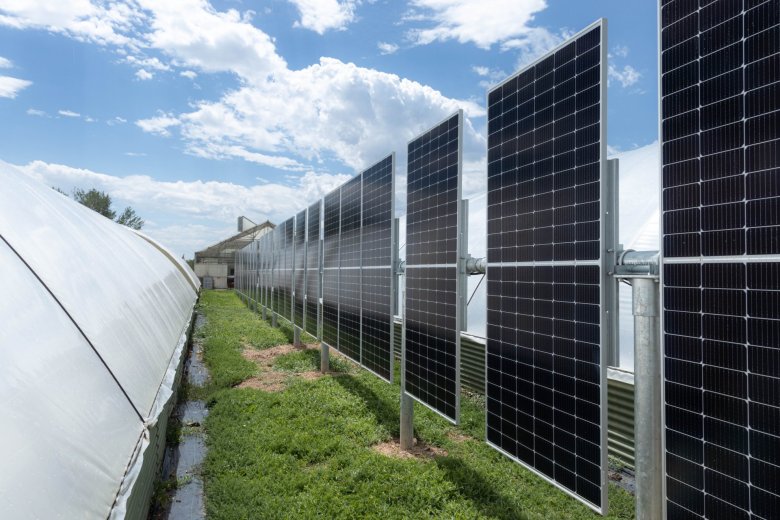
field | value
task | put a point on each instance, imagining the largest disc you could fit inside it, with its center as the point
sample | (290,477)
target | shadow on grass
(386,415)
(474,487)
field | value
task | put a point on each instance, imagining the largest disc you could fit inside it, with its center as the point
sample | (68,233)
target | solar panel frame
(299,269)
(377,275)
(312,296)
(720,265)
(429,263)
(331,267)
(545,258)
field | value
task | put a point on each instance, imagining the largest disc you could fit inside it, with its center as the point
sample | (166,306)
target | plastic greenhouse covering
(95,319)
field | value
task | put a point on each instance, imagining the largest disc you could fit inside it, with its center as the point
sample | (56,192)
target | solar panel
(330,269)
(312,269)
(377,292)
(432,319)
(278,245)
(546,344)
(720,95)
(285,270)
(299,267)
(349,272)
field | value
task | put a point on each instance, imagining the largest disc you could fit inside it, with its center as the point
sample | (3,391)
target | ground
(285,441)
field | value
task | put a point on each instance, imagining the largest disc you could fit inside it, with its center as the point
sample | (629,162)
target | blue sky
(196,112)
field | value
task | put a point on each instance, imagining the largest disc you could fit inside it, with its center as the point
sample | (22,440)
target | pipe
(647,399)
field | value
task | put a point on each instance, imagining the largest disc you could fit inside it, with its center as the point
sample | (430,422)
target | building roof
(223,252)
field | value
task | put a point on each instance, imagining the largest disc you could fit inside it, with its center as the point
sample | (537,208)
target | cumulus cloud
(483,23)
(5,63)
(387,48)
(10,87)
(143,75)
(159,125)
(35,112)
(190,74)
(627,76)
(324,15)
(69,113)
(208,209)
(277,116)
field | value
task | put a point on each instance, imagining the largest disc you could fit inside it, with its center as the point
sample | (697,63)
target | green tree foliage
(100,201)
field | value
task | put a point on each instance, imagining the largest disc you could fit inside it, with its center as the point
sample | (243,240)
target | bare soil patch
(420,450)
(267,379)
(458,437)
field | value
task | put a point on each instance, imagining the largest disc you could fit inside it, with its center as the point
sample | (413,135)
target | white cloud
(280,117)
(10,87)
(35,112)
(207,209)
(387,48)
(159,125)
(481,71)
(626,76)
(620,51)
(106,23)
(5,63)
(147,63)
(323,15)
(191,74)
(116,121)
(135,154)
(143,75)
(483,22)
(68,113)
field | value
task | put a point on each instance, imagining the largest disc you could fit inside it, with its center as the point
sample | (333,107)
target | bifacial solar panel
(720,113)
(432,321)
(276,255)
(330,269)
(349,272)
(312,269)
(299,267)
(377,267)
(287,269)
(546,344)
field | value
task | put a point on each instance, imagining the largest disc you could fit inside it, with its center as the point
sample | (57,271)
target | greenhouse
(96,318)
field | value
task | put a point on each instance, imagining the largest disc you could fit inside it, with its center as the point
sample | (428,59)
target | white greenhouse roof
(95,318)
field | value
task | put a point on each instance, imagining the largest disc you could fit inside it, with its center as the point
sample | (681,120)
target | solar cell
(377,267)
(330,273)
(349,272)
(286,279)
(720,71)
(299,267)
(546,353)
(432,316)
(313,269)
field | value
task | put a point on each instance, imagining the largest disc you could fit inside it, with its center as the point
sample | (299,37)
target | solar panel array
(299,268)
(377,288)
(720,101)
(311,314)
(546,370)
(432,320)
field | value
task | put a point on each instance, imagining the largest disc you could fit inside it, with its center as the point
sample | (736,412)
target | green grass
(308,360)
(306,452)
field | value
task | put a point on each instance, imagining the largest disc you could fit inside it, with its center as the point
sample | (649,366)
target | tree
(100,201)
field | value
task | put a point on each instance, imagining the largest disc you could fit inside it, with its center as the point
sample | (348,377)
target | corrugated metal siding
(620,396)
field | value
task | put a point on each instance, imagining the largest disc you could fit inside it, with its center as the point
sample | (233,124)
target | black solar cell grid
(377,275)
(312,268)
(545,362)
(432,337)
(720,64)
(299,267)
(330,275)
(349,257)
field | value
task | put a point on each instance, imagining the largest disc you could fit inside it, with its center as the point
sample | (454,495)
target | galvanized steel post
(647,399)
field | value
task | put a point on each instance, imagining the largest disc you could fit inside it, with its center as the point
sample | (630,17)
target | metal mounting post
(642,267)
(297,336)
(324,358)
(274,321)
